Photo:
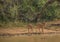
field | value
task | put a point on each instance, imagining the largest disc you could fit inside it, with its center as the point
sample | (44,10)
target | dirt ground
(14,31)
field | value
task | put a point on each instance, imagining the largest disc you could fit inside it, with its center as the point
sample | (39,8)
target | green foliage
(26,10)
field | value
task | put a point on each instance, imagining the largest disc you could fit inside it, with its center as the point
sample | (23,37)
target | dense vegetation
(26,11)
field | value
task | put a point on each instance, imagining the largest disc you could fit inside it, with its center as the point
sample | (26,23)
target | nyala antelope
(41,26)
(30,28)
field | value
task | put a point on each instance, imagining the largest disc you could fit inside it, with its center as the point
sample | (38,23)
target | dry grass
(32,38)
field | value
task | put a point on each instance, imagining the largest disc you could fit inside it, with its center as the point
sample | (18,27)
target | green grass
(33,38)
